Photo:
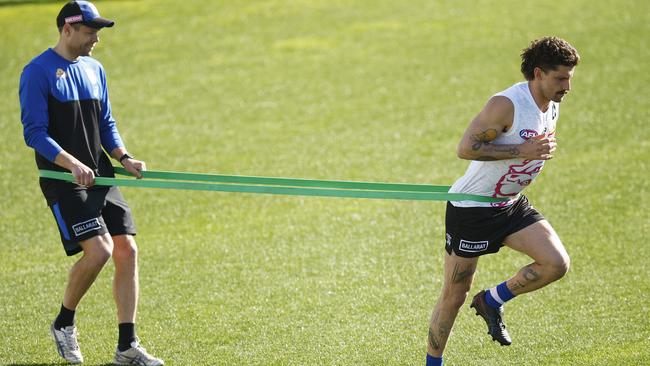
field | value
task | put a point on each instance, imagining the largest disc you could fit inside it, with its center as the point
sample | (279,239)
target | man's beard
(557,98)
(85,50)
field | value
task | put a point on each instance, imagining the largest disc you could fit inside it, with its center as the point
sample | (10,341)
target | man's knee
(125,247)
(563,266)
(455,296)
(559,266)
(98,249)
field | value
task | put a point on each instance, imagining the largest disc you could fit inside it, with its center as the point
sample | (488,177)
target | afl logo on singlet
(526,134)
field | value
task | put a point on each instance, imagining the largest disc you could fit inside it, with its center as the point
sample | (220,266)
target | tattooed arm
(495,119)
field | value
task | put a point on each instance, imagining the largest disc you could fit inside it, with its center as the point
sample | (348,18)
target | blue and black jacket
(65,106)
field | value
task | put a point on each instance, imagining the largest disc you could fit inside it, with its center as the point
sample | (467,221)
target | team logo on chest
(60,73)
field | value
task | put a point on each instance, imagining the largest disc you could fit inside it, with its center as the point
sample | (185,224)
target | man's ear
(67,29)
(537,72)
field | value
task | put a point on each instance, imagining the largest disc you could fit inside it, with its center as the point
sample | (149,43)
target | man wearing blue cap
(67,119)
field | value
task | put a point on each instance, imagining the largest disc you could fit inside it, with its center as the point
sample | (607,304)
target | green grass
(351,90)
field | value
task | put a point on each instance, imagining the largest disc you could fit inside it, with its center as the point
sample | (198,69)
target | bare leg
(96,252)
(125,282)
(459,274)
(551,261)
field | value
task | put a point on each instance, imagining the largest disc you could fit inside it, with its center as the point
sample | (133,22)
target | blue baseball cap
(82,12)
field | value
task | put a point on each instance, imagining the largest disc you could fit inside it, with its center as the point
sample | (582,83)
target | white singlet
(506,178)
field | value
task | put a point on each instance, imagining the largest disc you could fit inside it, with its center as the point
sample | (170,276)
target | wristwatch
(125,156)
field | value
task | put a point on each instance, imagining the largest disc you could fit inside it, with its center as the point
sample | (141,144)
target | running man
(508,142)
(66,115)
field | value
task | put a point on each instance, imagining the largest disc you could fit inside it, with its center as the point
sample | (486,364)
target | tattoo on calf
(517,286)
(436,342)
(444,330)
(433,342)
(530,274)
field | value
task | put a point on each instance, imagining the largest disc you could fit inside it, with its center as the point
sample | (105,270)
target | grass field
(349,90)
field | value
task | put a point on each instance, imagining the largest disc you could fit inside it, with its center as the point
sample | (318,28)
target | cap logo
(74,19)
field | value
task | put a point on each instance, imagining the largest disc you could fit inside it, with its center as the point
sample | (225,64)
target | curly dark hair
(547,53)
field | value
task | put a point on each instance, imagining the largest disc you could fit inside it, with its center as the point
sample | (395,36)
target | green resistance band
(282,186)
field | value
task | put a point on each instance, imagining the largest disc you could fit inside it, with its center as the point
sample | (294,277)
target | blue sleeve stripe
(60,221)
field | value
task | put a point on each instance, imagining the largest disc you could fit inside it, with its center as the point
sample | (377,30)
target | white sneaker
(66,343)
(136,355)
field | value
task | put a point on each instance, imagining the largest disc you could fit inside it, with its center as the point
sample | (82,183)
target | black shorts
(475,231)
(83,213)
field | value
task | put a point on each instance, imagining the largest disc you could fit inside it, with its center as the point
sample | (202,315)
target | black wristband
(125,156)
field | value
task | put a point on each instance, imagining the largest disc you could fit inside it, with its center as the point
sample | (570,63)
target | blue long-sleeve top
(65,106)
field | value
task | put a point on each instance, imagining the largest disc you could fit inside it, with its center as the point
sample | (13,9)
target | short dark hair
(547,53)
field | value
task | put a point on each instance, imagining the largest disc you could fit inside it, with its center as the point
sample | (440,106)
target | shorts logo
(448,240)
(526,134)
(86,226)
(473,246)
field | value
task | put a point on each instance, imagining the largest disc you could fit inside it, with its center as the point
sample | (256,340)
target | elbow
(464,153)
(43,144)
(30,139)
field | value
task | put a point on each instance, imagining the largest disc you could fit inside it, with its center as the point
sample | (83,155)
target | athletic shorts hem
(476,231)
